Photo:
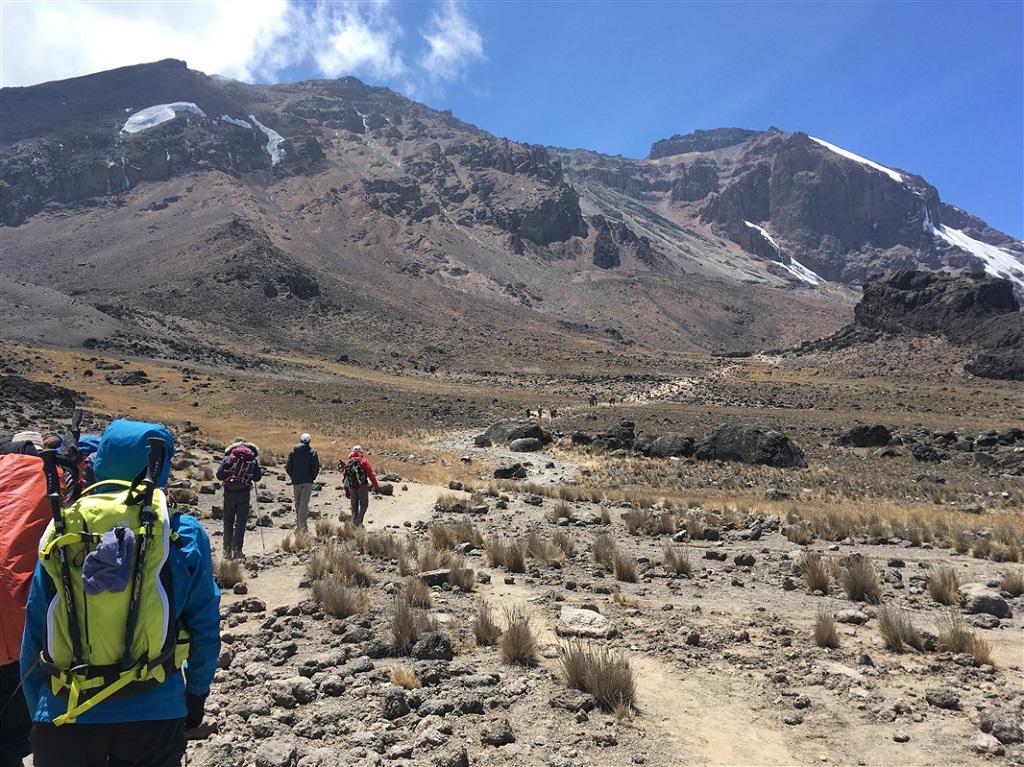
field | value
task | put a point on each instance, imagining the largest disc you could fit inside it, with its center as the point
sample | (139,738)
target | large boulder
(865,436)
(750,443)
(668,446)
(504,432)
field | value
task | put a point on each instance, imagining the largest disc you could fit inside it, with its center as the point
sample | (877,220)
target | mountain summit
(156,204)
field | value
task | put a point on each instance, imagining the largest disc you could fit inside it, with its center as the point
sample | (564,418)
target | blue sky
(933,88)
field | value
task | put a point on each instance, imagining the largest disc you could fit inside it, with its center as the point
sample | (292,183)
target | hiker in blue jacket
(136,728)
(302,468)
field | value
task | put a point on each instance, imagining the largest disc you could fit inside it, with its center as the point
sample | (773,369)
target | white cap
(357,449)
(305,438)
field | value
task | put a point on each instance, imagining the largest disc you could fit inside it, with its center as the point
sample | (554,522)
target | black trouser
(236,514)
(160,743)
(15,722)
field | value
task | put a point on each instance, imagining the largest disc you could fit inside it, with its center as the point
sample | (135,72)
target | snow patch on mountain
(161,113)
(996,261)
(274,140)
(236,121)
(791,265)
(850,155)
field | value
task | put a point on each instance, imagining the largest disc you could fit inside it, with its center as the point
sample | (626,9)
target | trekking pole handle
(156,460)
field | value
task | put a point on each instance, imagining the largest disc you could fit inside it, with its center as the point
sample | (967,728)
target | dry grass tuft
(955,637)
(566,542)
(508,553)
(337,560)
(817,572)
(541,550)
(1012,582)
(800,533)
(228,573)
(338,598)
(417,593)
(407,625)
(448,535)
(898,632)
(825,634)
(606,676)
(404,676)
(460,575)
(485,629)
(561,510)
(603,550)
(677,561)
(859,579)
(297,541)
(327,529)
(944,586)
(625,567)
(518,643)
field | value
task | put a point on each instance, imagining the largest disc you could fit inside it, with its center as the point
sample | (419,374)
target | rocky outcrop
(750,443)
(614,239)
(954,305)
(700,141)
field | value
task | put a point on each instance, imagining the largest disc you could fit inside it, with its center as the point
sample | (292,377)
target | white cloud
(453,43)
(44,41)
(352,38)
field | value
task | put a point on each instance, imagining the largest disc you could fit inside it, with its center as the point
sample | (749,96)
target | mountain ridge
(371,210)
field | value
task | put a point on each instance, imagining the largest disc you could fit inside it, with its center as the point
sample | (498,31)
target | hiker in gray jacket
(302,469)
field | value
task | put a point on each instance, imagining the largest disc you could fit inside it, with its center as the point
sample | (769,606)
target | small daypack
(110,625)
(355,474)
(239,471)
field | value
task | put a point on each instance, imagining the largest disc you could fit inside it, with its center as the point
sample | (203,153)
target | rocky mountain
(156,210)
(968,310)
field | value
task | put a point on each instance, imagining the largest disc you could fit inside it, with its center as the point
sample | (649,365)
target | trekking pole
(147,517)
(54,494)
(256,511)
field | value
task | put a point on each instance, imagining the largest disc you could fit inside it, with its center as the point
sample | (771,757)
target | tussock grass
(460,575)
(677,561)
(603,550)
(338,597)
(596,670)
(297,541)
(519,642)
(541,550)
(485,629)
(417,593)
(228,573)
(407,625)
(859,579)
(898,631)
(449,502)
(800,533)
(825,634)
(566,542)
(944,586)
(381,545)
(561,510)
(337,560)
(817,572)
(404,676)
(955,637)
(625,567)
(1012,582)
(448,535)
(507,553)
(327,529)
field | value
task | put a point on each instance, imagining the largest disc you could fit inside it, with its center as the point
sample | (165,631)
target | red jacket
(366,467)
(24,513)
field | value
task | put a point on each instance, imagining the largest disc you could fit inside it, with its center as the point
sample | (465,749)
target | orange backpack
(24,513)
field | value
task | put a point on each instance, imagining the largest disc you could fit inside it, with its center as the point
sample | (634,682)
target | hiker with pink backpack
(239,472)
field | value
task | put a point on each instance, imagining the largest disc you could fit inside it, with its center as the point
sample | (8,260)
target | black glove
(196,705)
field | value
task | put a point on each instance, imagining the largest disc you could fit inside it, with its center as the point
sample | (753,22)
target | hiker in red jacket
(358,478)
